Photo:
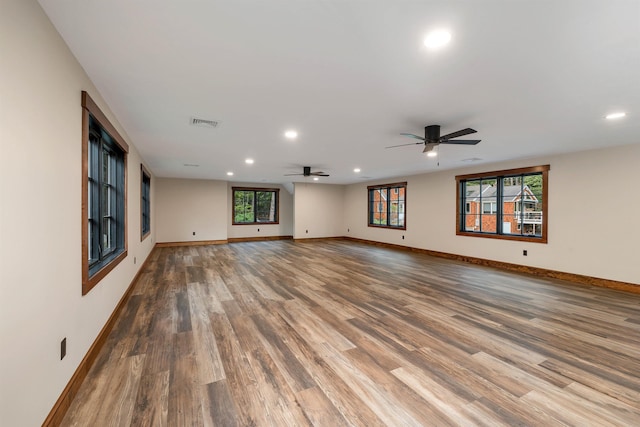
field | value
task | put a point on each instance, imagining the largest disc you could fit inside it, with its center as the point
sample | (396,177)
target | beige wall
(40,217)
(318,210)
(285,226)
(185,206)
(593,215)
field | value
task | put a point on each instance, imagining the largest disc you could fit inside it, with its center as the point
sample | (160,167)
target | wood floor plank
(240,378)
(373,395)
(334,333)
(152,401)
(221,405)
(118,404)
(319,409)
(185,407)
(209,364)
(299,378)
(277,404)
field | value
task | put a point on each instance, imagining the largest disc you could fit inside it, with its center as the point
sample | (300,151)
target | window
(255,205)
(387,205)
(145,202)
(489,207)
(104,154)
(509,204)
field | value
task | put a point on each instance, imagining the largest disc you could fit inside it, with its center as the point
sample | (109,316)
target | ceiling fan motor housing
(432,133)
(306,170)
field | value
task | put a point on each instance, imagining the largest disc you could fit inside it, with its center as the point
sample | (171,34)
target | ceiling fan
(306,171)
(432,138)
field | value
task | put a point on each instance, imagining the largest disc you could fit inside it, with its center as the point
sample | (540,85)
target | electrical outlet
(194,233)
(63,348)
(403,237)
(258,230)
(524,252)
(307,231)
(348,230)
(134,260)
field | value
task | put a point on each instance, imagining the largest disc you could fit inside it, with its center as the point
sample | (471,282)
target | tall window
(104,151)
(509,204)
(145,202)
(255,205)
(387,205)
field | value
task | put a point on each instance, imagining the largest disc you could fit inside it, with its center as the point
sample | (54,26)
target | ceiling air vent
(204,123)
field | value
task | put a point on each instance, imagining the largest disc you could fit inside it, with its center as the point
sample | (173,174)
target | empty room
(319,213)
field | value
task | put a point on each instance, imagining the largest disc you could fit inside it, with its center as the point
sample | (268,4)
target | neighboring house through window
(510,204)
(387,205)
(104,164)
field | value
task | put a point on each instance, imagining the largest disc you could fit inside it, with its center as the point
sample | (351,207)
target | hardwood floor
(339,333)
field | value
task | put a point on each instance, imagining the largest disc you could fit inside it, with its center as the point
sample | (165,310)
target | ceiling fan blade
(412,136)
(430,146)
(462,132)
(462,141)
(293,174)
(402,145)
(319,174)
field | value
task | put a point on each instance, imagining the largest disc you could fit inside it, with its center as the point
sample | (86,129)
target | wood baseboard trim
(257,239)
(63,403)
(534,271)
(194,243)
(316,239)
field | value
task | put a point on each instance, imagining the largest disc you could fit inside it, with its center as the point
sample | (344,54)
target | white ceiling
(533,77)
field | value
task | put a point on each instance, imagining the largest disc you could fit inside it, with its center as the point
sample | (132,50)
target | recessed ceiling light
(315,178)
(230,173)
(291,134)
(618,115)
(248,161)
(357,170)
(432,153)
(436,39)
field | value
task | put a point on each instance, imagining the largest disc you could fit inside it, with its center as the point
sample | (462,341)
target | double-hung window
(104,151)
(509,204)
(387,205)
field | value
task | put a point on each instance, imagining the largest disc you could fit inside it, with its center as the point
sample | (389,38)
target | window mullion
(521,213)
(99,198)
(480,207)
(499,200)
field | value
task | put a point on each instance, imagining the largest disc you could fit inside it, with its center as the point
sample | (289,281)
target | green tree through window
(255,205)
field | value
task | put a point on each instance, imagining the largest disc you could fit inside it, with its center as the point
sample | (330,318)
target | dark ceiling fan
(306,171)
(432,138)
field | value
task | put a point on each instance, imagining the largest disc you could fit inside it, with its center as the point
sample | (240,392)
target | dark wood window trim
(255,189)
(388,188)
(145,202)
(90,109)
(460,203)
